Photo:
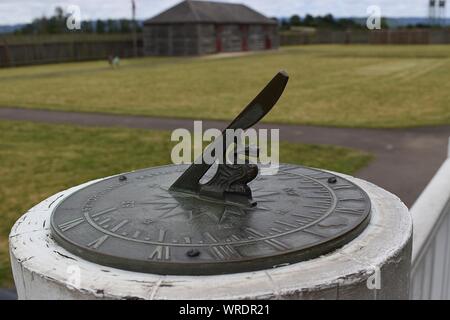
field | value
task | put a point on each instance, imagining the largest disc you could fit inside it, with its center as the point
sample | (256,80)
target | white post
(375,265)
(448,148)
(430,257)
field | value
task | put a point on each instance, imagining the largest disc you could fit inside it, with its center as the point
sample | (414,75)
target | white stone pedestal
(379,258)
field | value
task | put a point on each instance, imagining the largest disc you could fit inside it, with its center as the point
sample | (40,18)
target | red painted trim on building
(244,34)
(219,46)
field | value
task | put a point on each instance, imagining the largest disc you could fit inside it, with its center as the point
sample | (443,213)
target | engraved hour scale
(163,220)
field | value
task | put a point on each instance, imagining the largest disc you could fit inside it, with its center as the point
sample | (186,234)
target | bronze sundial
(165,220)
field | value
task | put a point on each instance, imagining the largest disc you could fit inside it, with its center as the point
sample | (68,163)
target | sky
(23,11)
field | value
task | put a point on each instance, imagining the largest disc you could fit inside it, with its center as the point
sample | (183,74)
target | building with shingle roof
(205,27)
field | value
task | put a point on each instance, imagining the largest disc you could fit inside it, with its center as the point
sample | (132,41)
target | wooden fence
(66,48)
(367,37)
(19,54)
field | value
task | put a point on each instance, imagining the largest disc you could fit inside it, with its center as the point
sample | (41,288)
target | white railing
(430,273)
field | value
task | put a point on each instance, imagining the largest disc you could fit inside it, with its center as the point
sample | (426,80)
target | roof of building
(194,11)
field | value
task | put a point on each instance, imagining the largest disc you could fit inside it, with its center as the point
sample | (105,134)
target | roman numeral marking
(322,192)
(302,223)
(160,253)
(224,252)
(317,197)
(162,235)
(288,178)
(187,240)
(311,187)
(314,215)
(71,224)
(285,169)
(104,221)
(268,194)
(356,212)
(254,232)
(313,233)
(103,212)
(136,234)
(97,243)
(318,176)
(235,237)
(276,244)
(343,187)
(167,206)
(315,207)
(120,225)
(304,217)
(352,199)
(328,203)
(286,224)
(210,237)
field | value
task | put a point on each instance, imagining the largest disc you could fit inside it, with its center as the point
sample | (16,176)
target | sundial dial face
(169,221)
(138,224)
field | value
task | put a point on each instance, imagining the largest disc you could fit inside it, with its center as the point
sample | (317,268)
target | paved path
(8,294)
(406,159)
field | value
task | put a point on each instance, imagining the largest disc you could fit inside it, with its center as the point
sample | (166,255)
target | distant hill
(393,22)
(10,28)
(91,25)
(403,22)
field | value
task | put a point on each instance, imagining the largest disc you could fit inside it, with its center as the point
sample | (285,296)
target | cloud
(20,11)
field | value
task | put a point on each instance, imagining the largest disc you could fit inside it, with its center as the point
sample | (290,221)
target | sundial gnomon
(162,220)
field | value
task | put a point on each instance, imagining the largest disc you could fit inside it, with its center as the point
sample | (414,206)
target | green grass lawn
(39,160)
(349,86)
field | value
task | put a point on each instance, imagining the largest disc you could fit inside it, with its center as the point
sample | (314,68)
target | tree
(56,23)
(87,27)
(100,26)
(295,20)
(285,25)
(139,28)
(384,23)
(112,26)
(309,21)
(329,18)
(125,26)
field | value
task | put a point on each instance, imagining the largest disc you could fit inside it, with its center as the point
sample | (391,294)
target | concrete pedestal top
(375,265)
